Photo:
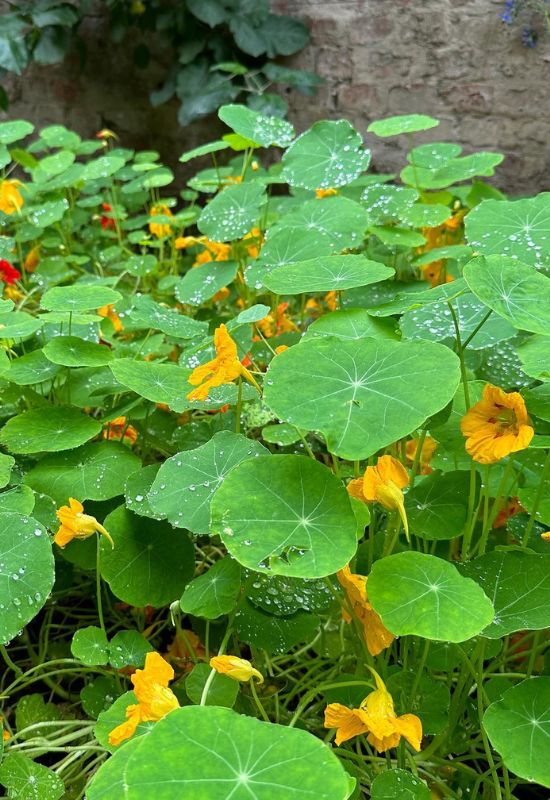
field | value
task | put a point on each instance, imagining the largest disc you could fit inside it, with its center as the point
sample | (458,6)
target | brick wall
(453,59)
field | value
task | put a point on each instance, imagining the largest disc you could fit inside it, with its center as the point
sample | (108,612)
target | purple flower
(507,15)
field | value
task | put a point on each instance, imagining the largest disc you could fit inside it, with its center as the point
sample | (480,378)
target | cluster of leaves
(533,16)
(219,50)
(229,514)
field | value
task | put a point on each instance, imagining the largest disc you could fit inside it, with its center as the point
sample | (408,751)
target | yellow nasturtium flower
(224,368)
(159,229)
(10,197)
(377,636)
(377,718)
(32,260)
(496,426)
(108,312)
(320,193)
(154,699)
(237,668)
(383,484)
(75,524)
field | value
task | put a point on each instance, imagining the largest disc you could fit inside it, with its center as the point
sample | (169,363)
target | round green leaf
(18,325)
(31,368)
(351,323)
(6,465)
(14,129)
(516,228)
(534,354)
(433,155)
(114,716)
(150,563)
(398,237)
(518,726)
(398,784)
(102,167)
(78,297)
(52,428)
(222,691)
(345,388)
(232,212)
(70,351)
(386,202)
(457,169)
(90,646)
(297,519)
(280,596)
(212,752)
(282,434)
(26,780)
(437,506)
(272,633)
(418,594)
(263,130)
(137,487)
(20,499)
(160,383)
(96,471)
(201,283)
(185,483)
(519,585)
(215,592)
(27,574)
(324,274)
(128,649)
(144,310)
(340,219)
(330,154)
(404,123)
(514,290)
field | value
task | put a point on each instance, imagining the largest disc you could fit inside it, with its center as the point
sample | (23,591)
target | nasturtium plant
(274,464)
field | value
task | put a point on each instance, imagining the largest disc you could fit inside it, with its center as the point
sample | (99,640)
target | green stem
(257,700)
(538,498)
(98,587)
(239,406)
(221,651)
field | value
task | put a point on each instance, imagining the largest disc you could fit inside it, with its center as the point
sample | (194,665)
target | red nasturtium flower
(377,718)
(154,699)
(107,223)
(496,426)
(8,273)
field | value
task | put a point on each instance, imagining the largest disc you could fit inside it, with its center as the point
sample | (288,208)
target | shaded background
(453,59)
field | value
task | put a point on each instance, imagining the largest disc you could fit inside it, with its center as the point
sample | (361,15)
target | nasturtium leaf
(325,274)
(280,596)
(534,354)
(425,215)
(282,434)
(45,214)
(419,594)
(431,699)
(78,297)
(96,471)
(232,212)
(114,716)
(102,167)
(222,691)
(14,129)
(20,500)
(51,428)
(18,325)
(153,315)
(514,290)
(263,130)
(203,150)
(201,283)
(70,351)
(27,780)
(185,483)
(273,633)
(150,563)
(387,202)
(437,506)
(435,322)
(519,586)
(128,649)
(328,155)
(538,400)
(137,488)
(404,123)
(98,695)
(31,368)
(342,220)
(398,237)
(6,465)
(160,383)
(398,784)
(32,710)
(253,314)
(27,572)
(352,323)
(90,646)
(246,758)
(460,252)
(215,592)
(285,245)
(518,727)
(433,155)
(297,519)
(516,228)
(345,388)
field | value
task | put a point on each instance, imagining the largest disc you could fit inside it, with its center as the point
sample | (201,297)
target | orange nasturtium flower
(496,426)
(224,368)
(377,636)
(277,323)
(154,699)
(320,193)
(213,251)
(159,229)
(32,260)
(75,524)
(108,312)
(118,429)
(10,197)
(428,449)
(377,718)
(512,507)
(237,668)
(383,484)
